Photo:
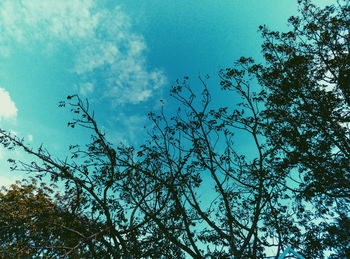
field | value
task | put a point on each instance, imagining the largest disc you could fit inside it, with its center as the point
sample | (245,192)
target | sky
(123,56)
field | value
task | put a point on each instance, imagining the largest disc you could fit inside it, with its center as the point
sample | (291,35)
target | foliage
(188,191)
(307,76)
(35,223)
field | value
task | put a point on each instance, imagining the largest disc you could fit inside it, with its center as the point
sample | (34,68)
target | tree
(94,179)
(148,197)
(188,191)
(34,222)
(307,76)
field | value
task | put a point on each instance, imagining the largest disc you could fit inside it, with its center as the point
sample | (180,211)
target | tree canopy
(37,222)
(188,191)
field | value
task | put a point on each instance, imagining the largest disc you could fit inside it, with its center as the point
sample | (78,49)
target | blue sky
(122,55)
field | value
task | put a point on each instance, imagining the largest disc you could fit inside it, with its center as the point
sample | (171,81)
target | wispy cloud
(86,89)
(101,40)
(132,124)
(8,109)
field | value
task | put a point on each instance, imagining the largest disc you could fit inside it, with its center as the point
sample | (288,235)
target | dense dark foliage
(308,107)
(34,222)
(308,80)
(188,191)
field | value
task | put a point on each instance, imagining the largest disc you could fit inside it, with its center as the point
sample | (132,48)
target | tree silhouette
(188,191)
(307,77)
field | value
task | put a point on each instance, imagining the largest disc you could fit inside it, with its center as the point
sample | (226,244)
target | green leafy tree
(36,223)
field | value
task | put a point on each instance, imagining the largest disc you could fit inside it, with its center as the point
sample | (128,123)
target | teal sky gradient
(122,55)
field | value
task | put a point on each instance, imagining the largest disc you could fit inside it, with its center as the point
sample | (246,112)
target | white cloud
(101,40)
(26,21)
(86,88)
(8,108)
